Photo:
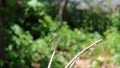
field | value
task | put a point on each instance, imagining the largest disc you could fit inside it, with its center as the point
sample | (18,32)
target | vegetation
(29,26)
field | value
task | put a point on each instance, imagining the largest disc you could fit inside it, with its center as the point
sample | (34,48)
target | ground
(94,62)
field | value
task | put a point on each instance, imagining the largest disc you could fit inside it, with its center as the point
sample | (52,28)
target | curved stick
(81,52)
(49,65)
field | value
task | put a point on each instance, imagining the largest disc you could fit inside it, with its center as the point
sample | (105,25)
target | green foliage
(115,19)
(29,30)
(88,20)
(113,42)
(96,64)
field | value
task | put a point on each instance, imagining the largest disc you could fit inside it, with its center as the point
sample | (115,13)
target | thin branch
(81,52)
(49,65)
(62,9)
(72,64)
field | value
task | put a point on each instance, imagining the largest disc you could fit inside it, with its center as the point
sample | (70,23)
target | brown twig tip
(81,52)
(52,39)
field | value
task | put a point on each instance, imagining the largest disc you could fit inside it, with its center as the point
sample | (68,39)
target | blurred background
(27,26)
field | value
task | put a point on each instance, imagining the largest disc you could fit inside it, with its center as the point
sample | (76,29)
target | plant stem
(81,52)
(49,65)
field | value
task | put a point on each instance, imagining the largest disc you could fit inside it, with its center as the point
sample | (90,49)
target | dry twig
(49,65)
(81,52)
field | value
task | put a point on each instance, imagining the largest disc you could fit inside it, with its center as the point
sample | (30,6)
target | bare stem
(72,64)
(81,52)
(49,65)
